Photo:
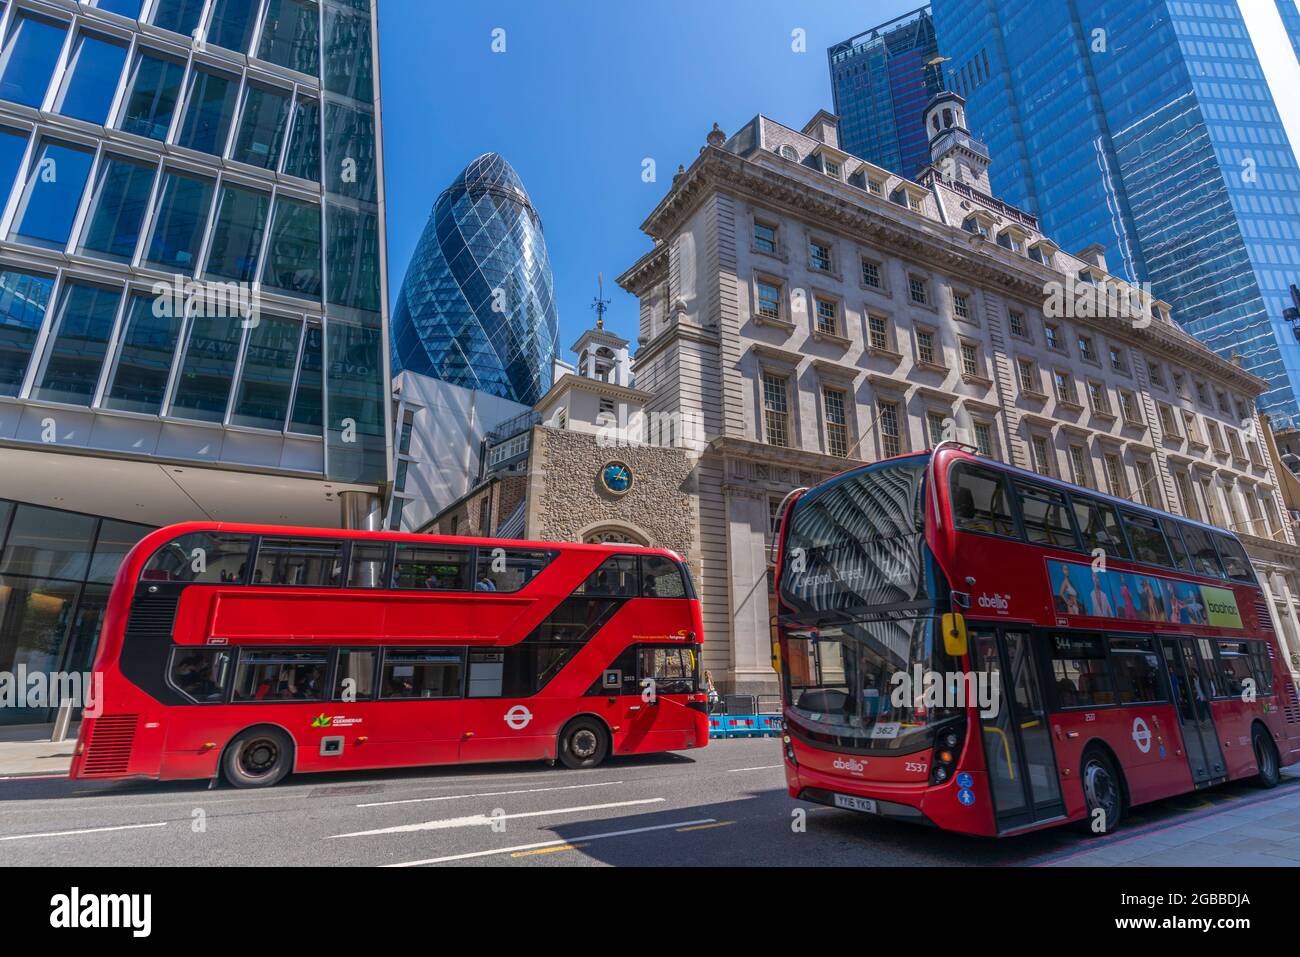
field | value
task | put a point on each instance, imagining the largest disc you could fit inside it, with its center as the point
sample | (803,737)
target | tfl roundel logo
(518,717)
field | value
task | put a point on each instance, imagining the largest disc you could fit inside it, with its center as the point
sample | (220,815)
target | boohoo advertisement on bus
(1086,591)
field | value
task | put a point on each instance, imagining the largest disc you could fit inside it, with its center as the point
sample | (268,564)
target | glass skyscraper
(881,81)
(477,306)
(192,302)
(1147,126)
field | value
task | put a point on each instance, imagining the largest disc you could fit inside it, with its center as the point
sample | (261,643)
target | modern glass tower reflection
(477,306)
(881,81)
(192,287)
(1148,126)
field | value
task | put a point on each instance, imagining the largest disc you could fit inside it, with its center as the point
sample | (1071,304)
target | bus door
(1192,678)
(1018,752)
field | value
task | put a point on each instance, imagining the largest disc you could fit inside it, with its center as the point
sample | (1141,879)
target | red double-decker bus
(991,651)
(251,651)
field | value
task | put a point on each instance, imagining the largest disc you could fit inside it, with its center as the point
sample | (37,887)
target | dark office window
(303,157)
(1080,672)
(154,89)
(115,539)
(1099,526)
(180,16)
(291,35)
(980,502)
(208,368)
(267,378)
(432,569)
(23,300)
(298,561)
(421,673)
(47,543)
(262,123)
(232,24)
(179,222)
(205,557)
(1147,539)
(237,236)
(92,78)
(30,51)
(1047,521)
(201,674)
(55,182)
(508,569)
(144,358)
(306,417)
(661,578)
(76,351)
(293,261)
(1137,670)
(118,201)
(209,108)
(280,676)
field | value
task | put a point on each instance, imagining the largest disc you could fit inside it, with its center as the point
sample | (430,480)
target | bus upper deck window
(616,575)
(979,502)
(1235,561)
(508,569)
(202,557)
(661,578)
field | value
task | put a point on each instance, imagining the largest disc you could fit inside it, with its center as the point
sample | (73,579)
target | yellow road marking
(705,827)
(548,850)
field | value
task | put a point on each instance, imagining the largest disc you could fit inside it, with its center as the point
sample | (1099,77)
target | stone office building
(808,308)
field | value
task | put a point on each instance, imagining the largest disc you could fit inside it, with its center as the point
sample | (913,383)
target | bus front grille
(109,751)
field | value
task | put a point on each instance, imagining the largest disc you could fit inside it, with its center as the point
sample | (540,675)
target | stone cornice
(672,334)
(774,455)
(647,270)
(877,221)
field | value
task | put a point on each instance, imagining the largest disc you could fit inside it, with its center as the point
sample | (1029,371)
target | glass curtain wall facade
(881,81)
(229,144)
(477,306)
(1147,126)
(56,568)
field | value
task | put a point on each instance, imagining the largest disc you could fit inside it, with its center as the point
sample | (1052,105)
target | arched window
(613,534)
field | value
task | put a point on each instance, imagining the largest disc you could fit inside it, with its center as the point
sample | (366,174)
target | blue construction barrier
(771,725)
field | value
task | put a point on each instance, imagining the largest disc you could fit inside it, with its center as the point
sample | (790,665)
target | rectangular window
(764,237)
(183,203)
(1097,398)
(980,502)
(871,274)
(1016,321)
(262,401)
(48,206)
(1028,376)
(1234,445)
(367,565)
(144,360)
(1191,427)
(1147,540)
(1117,360)
(263,119)
(970,359)
(1156,375)
(280,676)
(1064,387)
(1044,458)
(237,236)
(91,83)
(207,369)
(421,673)
(1168,424)
(1137,670)
(917,290)
(617,575)
(1190,506)
(201,674)
(1052,336)
(961,305)
(1146,483)
(154,89)
(1086,349)
(776,410)
(837,424)
(293,258)
(232,24)
(427,568)
(303,157)
(118,201)
(1079,671)
(827,317)
(30,52)
(1099,525)
(291,36)
(925,347)
(819,256)
(508,569)
(79,341)
(1128,407)
(1080,467)
(1115,478)
(355,679)
(890,437)
(984,440)
(878,333)
(209,110)
(934,423)
(179,16)
(299,562)
(1200,547)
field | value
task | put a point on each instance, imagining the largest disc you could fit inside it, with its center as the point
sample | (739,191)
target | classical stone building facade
(810,310)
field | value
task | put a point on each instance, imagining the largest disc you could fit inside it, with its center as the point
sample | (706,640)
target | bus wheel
(257,758)
(1102,792)
(583,743)
(1270,767)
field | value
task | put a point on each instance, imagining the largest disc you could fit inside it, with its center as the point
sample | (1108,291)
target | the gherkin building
(477,306)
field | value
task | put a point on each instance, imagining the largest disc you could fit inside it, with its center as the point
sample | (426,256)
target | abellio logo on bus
(995,602)
(851,765)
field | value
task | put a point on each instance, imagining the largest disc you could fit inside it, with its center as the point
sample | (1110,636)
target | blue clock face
(616,477)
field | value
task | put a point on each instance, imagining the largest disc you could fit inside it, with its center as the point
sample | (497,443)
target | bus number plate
(855,803)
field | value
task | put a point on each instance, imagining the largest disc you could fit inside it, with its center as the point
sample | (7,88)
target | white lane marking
(766,767)
(567,840)
(480,820)
(489,794)
(32,777)
(88,830)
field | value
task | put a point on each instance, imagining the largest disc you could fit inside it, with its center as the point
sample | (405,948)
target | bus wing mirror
(954,635)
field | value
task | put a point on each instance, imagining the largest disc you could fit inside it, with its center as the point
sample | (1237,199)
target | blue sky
(585,91)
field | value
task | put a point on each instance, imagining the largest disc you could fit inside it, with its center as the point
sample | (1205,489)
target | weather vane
(600,303)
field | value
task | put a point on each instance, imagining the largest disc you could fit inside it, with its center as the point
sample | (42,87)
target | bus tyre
(1103,791)
(584,743)
(257,758)
(1270,767)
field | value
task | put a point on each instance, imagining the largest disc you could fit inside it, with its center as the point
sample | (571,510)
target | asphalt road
(723,805)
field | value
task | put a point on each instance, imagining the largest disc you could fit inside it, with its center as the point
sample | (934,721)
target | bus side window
(280,676)
(298,561)
(616,575)
(1234,658)
(1204,558)
(661,578)
(486,669)
(1235,561)
(508,569)
(355,680)
(203,557)
(428,568)
(367,565)
(1136,669)
(1182,557)
(1261,666)
(421,673)
(1080,672)
(200,674)
(1046,519)
(1099,526)
(979,502)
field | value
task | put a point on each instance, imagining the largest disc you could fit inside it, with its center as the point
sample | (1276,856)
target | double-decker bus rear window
(858,541)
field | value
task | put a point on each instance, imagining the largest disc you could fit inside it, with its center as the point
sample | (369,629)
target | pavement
(27,750)
(723,805)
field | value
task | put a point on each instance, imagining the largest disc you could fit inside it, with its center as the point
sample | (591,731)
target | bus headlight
(789,749)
